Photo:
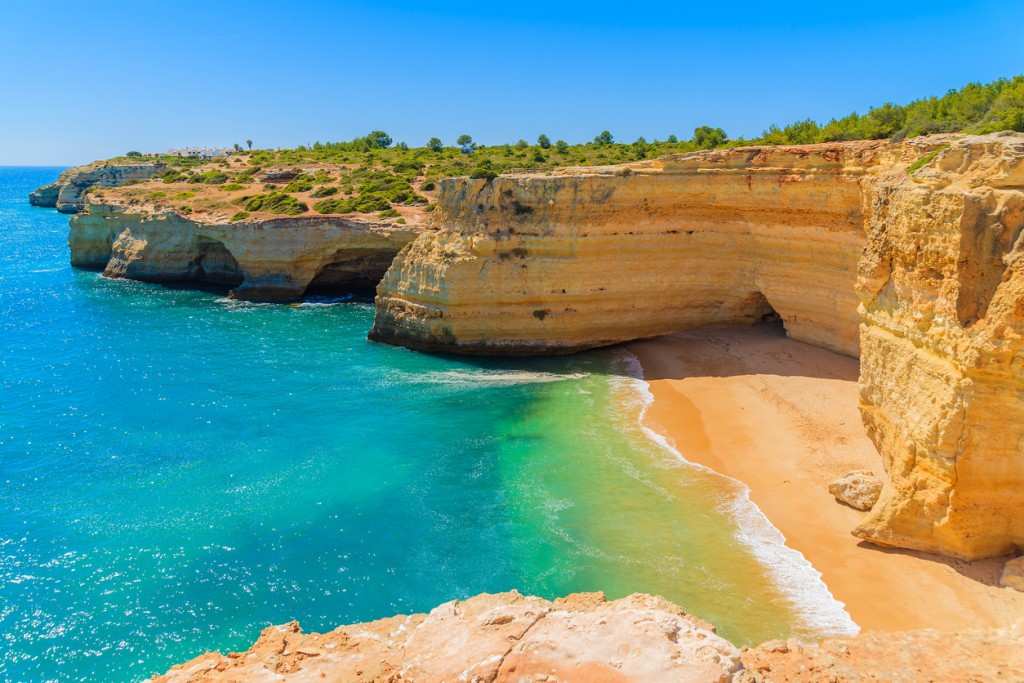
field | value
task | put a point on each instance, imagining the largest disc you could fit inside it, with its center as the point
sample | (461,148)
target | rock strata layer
(904,254)
(504,637)
(264,260)
(67,193)
(511,638)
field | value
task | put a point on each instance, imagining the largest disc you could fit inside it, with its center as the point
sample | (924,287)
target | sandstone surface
(277,259)
(1012,575)
(859,489)
(509,637)
(67,193)
(904,254)
(905,657)
(503,637)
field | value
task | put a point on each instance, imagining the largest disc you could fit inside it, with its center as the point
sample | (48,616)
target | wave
(801,584)
(496,378)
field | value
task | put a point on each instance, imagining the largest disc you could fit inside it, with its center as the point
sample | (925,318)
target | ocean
(179,471)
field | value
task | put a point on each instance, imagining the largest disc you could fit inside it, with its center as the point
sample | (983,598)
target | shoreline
(781,417)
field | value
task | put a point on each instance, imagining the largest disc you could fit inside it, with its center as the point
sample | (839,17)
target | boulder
(858,489)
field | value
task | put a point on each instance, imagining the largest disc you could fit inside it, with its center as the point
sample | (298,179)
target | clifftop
(508,637)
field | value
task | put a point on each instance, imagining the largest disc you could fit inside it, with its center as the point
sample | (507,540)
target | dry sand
(782,417)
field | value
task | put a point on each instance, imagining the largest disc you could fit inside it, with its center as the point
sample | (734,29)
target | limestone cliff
(906,254)
(67,193)
(511,638)
(589,257)
(276,259)
(942,364)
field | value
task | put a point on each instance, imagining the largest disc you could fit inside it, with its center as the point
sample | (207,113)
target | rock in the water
(858,489)
(1013,574)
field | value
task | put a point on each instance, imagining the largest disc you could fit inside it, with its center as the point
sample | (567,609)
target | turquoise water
(179,471)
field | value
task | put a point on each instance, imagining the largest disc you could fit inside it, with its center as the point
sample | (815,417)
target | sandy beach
(782,417)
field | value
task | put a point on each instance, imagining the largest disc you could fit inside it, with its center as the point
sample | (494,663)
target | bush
(274,202)
(302,185)
(133,153)
(389,213)
(428,186)
(240,216)
(333,206)
(184,195)
(324,191)
(232,187)
(156,195)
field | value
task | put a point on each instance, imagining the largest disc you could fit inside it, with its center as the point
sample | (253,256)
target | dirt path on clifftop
(782,417)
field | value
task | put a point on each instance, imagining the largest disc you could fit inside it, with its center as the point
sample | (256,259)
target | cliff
(904,254)
(508,637)
(67,193)
(266,259)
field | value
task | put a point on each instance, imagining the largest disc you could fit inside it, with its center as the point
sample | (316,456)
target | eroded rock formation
(262,260)
(511,638)
(503,637)
(922,235)
(67,193)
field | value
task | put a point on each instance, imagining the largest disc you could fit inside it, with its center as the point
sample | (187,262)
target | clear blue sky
(80,81)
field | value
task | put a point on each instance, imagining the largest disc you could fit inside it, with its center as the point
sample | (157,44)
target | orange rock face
(904,254)
(503,637)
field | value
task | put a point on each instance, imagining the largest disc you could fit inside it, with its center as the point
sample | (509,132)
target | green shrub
(302,185)
(232,187)
(428,186)
(184,195)
(274,202)
(389,213)
(185,210)
(156,195)
(240,216)
(324,191)
(333,206)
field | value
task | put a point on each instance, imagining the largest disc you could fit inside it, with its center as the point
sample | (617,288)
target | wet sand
(782,417)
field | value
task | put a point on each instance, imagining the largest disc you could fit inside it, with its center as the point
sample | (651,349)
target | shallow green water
(179,471)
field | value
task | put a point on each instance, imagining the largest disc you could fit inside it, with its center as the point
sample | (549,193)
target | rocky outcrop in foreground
(907,255)
(67,193)
(277,259)
(508,637)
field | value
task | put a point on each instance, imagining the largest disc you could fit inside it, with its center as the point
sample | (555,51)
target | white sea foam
(795,576)
(477,378)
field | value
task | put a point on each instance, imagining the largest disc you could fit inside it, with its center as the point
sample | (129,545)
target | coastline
(781,417)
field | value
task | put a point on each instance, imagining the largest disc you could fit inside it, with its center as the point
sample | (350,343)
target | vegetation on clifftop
(373,175)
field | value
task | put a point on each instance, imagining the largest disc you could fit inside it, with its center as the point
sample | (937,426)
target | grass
(925,160)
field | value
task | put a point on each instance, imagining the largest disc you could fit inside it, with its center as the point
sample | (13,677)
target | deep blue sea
(179,471)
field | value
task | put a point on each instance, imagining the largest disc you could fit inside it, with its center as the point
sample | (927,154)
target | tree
(561,145)
(435,144)
(544,141)
(379,138)
(238,147)
(605,138)
(134,154)
(466,143)
(672,139)
(249,143)
(522,144)
(706,137)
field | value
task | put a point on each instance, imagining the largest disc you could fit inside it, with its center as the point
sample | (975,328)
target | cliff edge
(67,193)
(509,637)
(906,255)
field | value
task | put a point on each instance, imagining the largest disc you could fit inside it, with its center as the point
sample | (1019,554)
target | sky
(83,81)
